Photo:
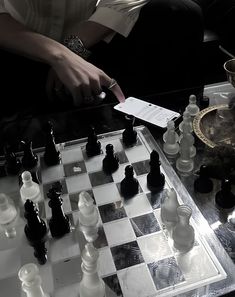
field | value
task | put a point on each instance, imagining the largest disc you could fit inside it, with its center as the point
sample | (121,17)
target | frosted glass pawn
(8,215)
(91,284)
(183,234)
(88,216)
(168,211)
(192,107)
(184,163)
(31,281)
(190,138)
(186,122)
(30,189)
(170,127)
(171,145)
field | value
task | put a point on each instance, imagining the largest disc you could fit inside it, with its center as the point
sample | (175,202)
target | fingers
(113,86)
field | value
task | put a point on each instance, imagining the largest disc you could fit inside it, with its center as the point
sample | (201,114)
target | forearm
(16,38)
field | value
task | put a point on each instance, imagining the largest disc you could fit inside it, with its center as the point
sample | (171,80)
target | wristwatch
(74,43)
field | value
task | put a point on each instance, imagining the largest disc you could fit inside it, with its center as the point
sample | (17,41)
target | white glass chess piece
(183,234)
(88,216)
(29,189)
(184,163)
(91,284)
(169,207)
(170,127)
(31,281)
(171,145)
(8,215)
(192,107)
(186,122)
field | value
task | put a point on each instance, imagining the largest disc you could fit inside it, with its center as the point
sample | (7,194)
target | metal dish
(215,126)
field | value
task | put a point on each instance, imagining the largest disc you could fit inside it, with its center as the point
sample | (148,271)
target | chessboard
(136,253)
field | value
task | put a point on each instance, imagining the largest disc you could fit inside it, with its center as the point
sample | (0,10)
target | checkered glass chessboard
(136,255)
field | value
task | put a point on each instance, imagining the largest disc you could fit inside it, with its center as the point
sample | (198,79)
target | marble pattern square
(100,178)
(78,183)
(137,282)
(154,247)
(141,167)
(122,157)
(127,255)
(74,168)
(138,205)
(137,153)
(60,250)
(166,273)
(113,283)
(71,155)
(52,173)
(106,194)
(67,272)
(118,232)
(10,262)
(145,224)
(94,163)
(110,212)
(105,262)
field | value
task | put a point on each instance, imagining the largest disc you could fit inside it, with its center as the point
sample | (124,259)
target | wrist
(75,44)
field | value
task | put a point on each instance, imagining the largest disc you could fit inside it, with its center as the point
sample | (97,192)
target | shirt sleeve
(2,7)
(118,15)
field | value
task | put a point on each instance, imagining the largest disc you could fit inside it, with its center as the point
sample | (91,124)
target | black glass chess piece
(203,183)
(29,159)
(59,223)
(93,146)
(129,185)
(51,154)
(12,164)
(110,161)
(36,231)
(224,198)
(155,178)
(129,135)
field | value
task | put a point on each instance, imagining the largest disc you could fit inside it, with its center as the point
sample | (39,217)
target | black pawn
(129,135)
(203,184)
(93,146)
(155,178)
(29,159)
(59,223)
(12,163)
(110,161)
(129,185)
(225,198)
(35,231)
(51,154)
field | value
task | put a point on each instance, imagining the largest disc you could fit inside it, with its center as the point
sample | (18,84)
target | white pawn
(31,281)
(88,216)
(29,189)
(91,284)
(184,163)
(191,140)
(8,215)
(192,107)
(186,122)
(170,127)
(171,145)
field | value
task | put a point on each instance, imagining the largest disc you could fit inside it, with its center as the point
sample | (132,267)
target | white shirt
(58,18)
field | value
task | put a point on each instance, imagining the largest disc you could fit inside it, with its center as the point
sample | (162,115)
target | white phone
(147,112)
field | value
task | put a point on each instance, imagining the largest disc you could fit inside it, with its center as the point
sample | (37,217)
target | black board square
(110,212)
(100,178)
(46,187)
(122,157)
(145,224)
(127,255)
(165,273)
(74,168)
(113,283)
(141,167)
(101,241)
